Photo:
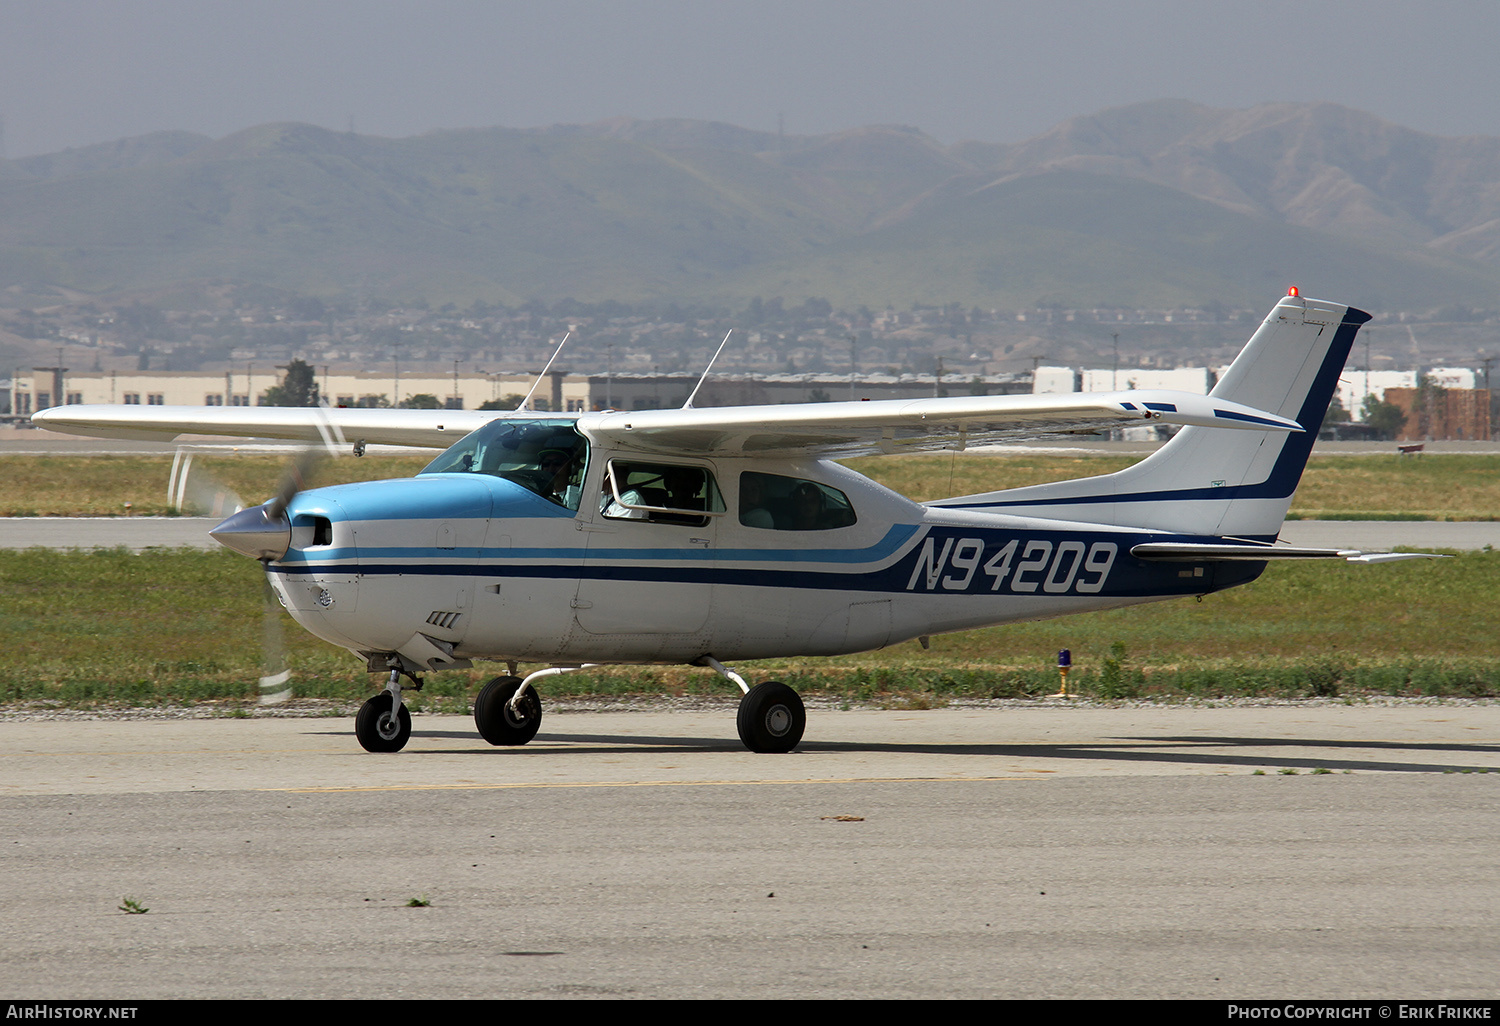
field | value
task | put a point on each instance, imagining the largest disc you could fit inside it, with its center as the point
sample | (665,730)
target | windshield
(548,457)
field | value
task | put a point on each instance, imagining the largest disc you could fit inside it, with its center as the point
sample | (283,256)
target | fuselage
(738,558)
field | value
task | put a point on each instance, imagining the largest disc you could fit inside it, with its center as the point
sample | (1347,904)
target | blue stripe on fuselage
(944,560)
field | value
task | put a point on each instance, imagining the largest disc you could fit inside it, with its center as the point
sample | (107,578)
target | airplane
(710,536)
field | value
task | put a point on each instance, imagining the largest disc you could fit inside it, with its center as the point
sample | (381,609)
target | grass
(112,628)
(1431,487)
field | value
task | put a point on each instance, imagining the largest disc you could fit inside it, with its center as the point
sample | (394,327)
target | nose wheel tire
(771,718)
(380,731)
(497,722)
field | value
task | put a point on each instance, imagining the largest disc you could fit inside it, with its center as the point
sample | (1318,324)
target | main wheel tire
(771,718)
(378,730)
(492,714)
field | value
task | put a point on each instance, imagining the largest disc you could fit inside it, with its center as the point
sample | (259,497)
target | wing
(428,428)
(843,429)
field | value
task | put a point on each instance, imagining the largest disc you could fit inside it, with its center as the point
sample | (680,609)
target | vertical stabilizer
(1204,481)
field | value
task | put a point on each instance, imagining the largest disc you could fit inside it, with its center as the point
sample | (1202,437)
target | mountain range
(1159,204)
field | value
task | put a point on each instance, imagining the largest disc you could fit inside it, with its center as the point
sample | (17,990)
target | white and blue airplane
(711,536)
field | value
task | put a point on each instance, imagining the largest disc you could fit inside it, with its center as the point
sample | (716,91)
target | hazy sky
(74,72)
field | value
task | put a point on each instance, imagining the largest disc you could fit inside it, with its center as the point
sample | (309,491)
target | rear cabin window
(776,503)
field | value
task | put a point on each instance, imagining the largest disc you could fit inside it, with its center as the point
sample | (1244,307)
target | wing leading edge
(807,429)
(427,428)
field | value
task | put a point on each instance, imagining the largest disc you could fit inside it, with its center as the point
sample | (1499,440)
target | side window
(777,503)
(663,493)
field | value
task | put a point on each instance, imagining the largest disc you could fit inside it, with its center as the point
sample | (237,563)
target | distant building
(1354,385)
(1198,380)
(1050,380)
(1447,413)
(244,387)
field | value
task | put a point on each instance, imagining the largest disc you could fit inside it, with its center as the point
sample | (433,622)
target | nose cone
(256,533)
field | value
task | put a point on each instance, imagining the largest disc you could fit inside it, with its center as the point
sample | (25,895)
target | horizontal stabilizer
(1192,552)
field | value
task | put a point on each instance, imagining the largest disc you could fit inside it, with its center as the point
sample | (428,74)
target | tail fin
(1235,484)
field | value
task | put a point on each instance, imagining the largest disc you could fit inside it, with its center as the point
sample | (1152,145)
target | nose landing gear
(384,723)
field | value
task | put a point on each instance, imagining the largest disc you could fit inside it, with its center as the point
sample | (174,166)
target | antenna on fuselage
(689,404)
(555,353)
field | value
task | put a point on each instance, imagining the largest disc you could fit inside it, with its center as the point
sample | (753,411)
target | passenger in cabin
(684,488)
(807,508)
(614,507)
(753,511)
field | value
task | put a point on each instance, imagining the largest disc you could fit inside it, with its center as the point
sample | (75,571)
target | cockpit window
(778,503)
(548,457)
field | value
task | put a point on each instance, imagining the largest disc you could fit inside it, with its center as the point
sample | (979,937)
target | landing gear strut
(771,716)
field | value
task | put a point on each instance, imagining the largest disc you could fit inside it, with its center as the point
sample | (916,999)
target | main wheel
(771,718)
(378,730)
(497,723)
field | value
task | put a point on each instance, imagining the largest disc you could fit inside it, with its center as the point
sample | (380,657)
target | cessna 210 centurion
(710,536)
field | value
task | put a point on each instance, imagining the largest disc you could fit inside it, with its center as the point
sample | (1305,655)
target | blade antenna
(689,404)
(543,374)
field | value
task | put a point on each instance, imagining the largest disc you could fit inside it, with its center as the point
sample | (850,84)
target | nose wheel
(382,725)
(771,718)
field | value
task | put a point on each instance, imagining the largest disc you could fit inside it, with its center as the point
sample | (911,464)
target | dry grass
(95,486)
(1456,487)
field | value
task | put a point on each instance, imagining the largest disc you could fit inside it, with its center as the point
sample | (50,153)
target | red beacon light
(1293,292)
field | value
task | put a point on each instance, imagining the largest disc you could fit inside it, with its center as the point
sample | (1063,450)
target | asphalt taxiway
(1024,851)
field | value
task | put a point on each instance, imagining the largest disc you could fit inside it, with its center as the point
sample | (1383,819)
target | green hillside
(687,211)
(1087,240)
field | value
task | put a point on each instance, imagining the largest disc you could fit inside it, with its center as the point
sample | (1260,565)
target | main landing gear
(771,716)
(503,717)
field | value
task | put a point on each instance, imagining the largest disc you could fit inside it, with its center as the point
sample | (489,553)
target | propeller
(264,533)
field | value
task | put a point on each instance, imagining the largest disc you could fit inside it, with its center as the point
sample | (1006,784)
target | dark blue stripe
(1129,577)
(1247,418)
